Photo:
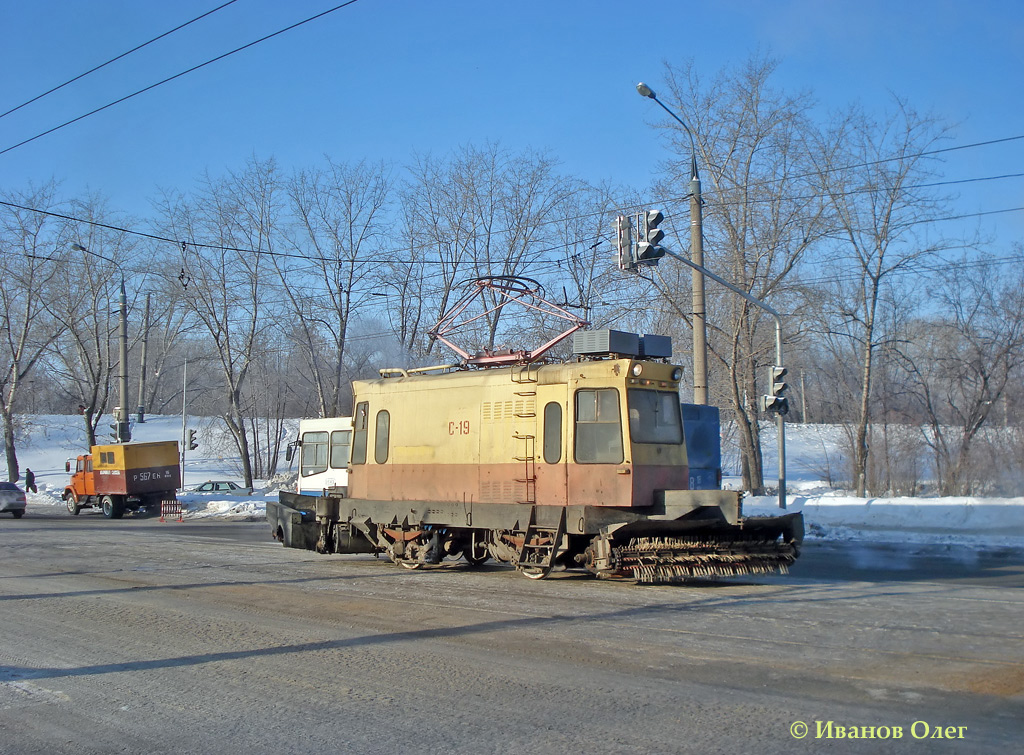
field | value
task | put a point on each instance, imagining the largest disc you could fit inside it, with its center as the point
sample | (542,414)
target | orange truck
(123,477)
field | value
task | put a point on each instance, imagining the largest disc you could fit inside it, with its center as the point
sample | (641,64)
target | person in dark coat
(30,481)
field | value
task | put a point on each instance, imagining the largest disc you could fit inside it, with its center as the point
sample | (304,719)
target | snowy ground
(828,514)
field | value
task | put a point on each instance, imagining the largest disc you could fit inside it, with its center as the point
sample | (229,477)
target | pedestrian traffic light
(776,402)
(192,444)
(649,249)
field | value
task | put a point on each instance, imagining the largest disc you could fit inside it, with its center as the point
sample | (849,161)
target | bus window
(314,454)
(341,442)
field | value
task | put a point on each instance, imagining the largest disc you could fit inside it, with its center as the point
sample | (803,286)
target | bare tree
(266,403)
(484,212)
(404,283)
(439,230)
(760,220)
(872,173)
(233,228)
(27,328)
(582,273)
(166,335)
(514,198)
(963,357)
(338,212)
(89,282)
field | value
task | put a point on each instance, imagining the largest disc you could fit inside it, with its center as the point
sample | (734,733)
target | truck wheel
(18,513)
(73,506)
(111,509)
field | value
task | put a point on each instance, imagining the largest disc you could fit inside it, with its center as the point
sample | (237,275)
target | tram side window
(553,432)
(381,437)
(598,427)
(314,453)
(359,426)
(341,442)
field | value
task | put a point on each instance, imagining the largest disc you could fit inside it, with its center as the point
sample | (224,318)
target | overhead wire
(391,258)
(116,58)
(216,247)
(548,265)
(178,75)
(350,2)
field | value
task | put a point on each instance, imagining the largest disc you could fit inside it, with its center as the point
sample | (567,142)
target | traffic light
(776,401)
(192,444)
(649,249)
(120,432)
(624,237)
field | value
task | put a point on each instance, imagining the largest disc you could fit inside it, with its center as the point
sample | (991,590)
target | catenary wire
(178,75)
(116,58)
(216,247)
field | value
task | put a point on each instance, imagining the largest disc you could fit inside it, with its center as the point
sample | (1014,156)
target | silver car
(225,487)
(12,498)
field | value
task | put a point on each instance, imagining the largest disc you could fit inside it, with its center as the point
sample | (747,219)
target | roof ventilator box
(606,342)
(656,347)
(592,342)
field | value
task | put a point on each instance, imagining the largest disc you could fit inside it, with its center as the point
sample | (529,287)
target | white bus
(324,446)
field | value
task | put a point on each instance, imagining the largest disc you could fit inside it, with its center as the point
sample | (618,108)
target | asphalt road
(140,636)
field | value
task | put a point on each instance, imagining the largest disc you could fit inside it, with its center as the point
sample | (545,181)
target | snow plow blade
(677,550)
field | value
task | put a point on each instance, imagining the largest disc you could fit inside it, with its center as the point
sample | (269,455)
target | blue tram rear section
(702,429)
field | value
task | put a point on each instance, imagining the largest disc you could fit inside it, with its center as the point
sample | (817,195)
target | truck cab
(83,482)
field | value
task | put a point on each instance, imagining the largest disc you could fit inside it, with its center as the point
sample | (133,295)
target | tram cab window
(359,426)
(654,417)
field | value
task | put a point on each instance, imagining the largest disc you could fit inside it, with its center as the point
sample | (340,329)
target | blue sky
(386,79)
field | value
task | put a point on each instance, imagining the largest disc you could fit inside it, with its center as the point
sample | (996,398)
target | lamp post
(122,429)
(700,333)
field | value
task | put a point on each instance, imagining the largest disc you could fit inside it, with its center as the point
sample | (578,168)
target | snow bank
(991,522)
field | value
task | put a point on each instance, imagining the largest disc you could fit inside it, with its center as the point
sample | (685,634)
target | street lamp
(122,429)
(700,332)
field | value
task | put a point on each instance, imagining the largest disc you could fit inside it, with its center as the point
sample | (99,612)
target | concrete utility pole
(142,368)
(184,407)
(123,430)
(700,328)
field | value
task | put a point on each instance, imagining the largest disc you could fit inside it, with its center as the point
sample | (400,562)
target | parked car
(222,487)
(12,499)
